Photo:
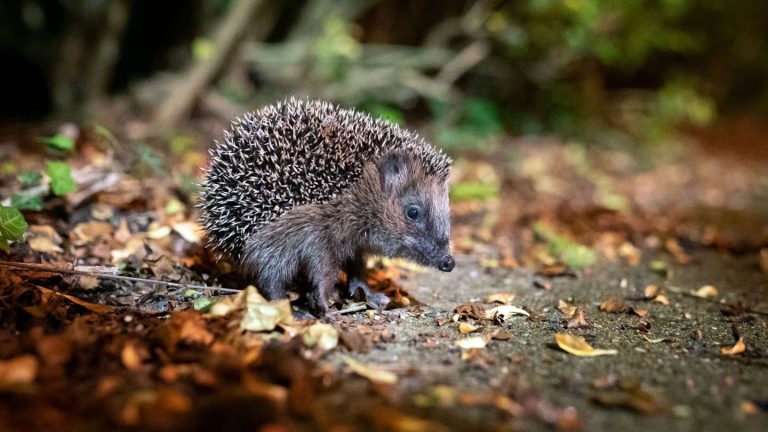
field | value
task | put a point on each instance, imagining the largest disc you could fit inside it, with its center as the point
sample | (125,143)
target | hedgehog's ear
(393,169)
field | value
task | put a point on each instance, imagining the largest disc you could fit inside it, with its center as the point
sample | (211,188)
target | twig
(100,274)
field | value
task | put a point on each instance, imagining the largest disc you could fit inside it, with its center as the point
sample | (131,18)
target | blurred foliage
(475,69)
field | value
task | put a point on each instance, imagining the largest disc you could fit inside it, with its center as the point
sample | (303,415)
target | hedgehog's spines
(295,152)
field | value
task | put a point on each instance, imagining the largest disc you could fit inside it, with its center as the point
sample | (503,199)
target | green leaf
(30,178)
(474,191)
(12,226)
(26,201)
(105,133)
(59,142)
(572,254)
(61,178)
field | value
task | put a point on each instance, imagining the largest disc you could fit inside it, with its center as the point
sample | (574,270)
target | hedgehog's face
(416,213)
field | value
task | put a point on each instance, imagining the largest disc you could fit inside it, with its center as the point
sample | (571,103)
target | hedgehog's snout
(446,264)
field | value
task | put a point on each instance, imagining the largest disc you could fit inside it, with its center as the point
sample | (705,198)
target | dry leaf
(261,315)
(133,355)
(189,231)
(466,328)
(764,259)
(90,231)
(659,340)
(614,305)
(372,373)
(567,309)
(475,342)
(651,291)
(707,291)
(502,335)
(503,298)
(578,320)
(502,313)
(97,308)
(43,245)
(577,346)
(739,348)
(630,253)
(661,298)
(157,231)
(18,370)
(324,336)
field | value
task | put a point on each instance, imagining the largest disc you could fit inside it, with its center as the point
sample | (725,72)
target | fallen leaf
(614,305)
(749,407)
(133,355)
(739,348)
(578,320)
(567,309)
(261,315)
(661,298)
(466,328)
(677,251)
(89,231)
(372,373)
(707,291)
(93,307)
(659,340)
(475,342)
(764,260)
(157,231)
(18,370)
(630,253)
(43,245)
(189,231)
(577,346)
(651,291)
(503,313)
(502,335)
(503,298)
(322,335)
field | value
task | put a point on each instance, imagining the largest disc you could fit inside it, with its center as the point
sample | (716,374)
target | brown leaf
(764,260)
(707,291)
(502,335)
(18,370)
(578,320)
(133,355)
(567,309)
(89,231)
(614,305)
(93,307)
(372,373)
(577,346)
(503,298)
(738,348)
(465,328)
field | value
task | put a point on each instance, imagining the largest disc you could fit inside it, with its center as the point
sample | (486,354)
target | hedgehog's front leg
(323,275)
(355,270)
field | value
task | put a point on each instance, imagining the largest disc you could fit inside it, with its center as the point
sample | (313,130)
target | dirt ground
(687,384)
(661,262)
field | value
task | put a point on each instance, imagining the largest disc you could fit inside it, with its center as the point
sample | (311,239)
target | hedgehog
(303,189)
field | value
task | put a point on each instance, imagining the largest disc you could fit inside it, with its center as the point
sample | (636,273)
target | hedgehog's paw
(301,315)
(373,298)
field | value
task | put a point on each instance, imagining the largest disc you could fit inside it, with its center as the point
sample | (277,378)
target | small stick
(42,267)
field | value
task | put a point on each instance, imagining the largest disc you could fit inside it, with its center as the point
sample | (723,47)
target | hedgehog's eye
(412,212)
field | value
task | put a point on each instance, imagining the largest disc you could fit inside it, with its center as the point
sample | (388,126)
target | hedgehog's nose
(447,264)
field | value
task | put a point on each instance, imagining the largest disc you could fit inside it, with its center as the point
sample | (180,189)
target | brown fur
(369,217)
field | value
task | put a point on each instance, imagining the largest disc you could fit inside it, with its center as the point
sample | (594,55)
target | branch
(105,273)
(178,104)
